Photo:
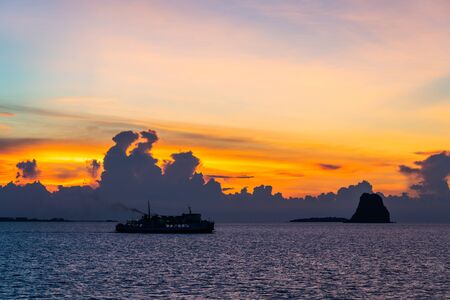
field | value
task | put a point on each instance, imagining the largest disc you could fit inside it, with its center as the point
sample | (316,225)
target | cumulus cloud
(430,175)
(131,177)
(124,139)
(131,174)
(150,137)
(182,166)
(28,170)
(124,174)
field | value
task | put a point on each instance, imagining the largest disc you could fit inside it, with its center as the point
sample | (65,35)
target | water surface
(294,260)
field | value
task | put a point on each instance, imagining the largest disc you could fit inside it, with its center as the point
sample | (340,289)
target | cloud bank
(430,175)
(131,176)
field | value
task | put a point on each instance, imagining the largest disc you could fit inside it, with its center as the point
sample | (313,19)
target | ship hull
(131,229)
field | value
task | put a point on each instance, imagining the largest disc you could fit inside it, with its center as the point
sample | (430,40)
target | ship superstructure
(184,223)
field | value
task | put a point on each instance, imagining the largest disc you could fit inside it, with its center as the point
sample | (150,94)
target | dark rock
(371,210)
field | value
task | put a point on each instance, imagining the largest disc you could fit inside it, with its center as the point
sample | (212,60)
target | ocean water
(250,261)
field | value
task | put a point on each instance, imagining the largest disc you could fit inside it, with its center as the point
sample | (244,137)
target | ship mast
(148,207)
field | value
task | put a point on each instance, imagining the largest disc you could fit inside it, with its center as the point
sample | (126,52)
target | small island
(370,210)
(57,220)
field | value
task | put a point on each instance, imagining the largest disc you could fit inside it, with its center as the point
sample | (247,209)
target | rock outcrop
(371,210)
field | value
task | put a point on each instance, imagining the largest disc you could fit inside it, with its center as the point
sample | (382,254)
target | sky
(305,96)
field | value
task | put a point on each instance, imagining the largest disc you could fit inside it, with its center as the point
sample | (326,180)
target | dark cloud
(408,170)
(182,166)
(27,169)
(150,138)
(131,177)
(137,177)
(230,176)
(428,152)
(431,175)
(93,168)
(122,172)
(329,167)
(262,204)
(124,139)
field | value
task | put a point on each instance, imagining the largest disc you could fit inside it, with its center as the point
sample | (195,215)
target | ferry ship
(184,223)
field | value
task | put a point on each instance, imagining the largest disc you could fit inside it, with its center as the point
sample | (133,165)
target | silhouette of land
(326,219)
(370,210)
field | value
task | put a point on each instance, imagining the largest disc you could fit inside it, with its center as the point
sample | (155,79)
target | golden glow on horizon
(291,167)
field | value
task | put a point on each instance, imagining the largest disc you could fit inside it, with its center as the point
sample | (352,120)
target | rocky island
(370,210)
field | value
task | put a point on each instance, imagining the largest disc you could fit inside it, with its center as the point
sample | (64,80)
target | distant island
(24,219)
(370,209)
(326,219)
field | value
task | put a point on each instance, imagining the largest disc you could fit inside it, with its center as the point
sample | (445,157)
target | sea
(239,261)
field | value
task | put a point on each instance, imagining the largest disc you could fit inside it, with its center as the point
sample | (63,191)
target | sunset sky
(306,96)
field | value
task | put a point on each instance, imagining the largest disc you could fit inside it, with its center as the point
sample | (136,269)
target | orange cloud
(262,157)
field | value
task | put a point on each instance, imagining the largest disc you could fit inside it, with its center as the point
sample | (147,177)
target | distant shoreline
(52,220)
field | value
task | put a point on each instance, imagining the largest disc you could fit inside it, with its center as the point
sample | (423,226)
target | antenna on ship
(148,207)
(189,208)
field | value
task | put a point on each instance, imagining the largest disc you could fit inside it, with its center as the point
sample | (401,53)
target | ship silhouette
(184,223)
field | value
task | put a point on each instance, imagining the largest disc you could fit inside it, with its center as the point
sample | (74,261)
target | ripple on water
(314,261)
